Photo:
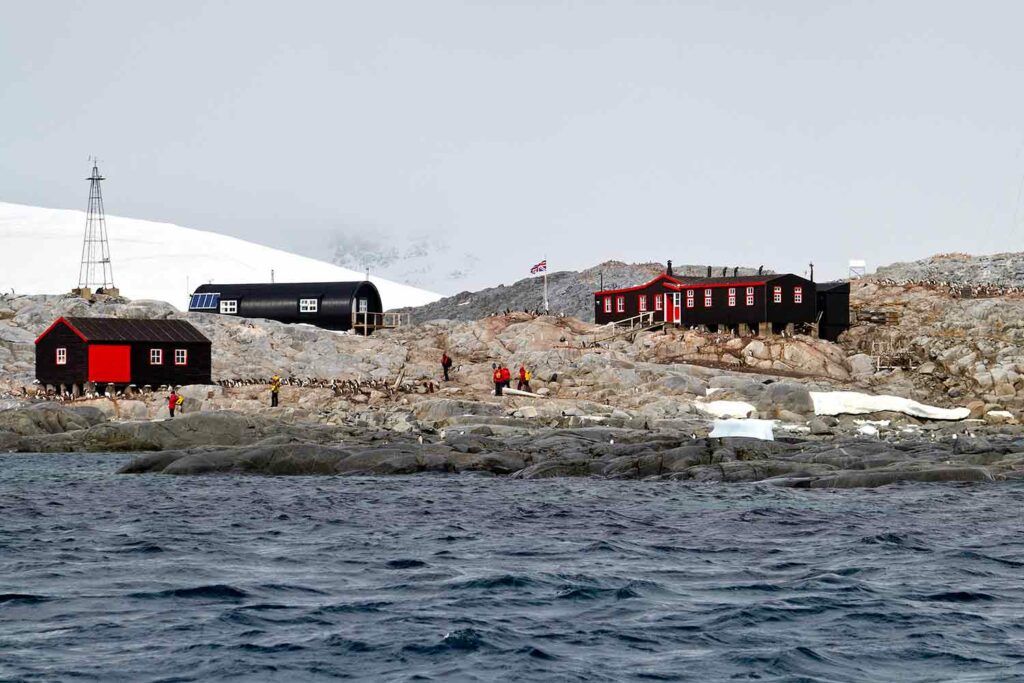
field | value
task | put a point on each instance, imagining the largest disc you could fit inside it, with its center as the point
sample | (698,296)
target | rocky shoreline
(225,442)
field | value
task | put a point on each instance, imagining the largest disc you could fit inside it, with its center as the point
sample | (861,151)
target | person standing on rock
(499,381)
(506,377)
(446,364)
(172,402)
(275,389)
(524,379)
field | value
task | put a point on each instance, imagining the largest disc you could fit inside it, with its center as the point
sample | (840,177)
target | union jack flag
(540,267)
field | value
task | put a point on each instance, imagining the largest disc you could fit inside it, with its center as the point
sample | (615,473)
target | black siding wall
(632,301)
(77,369)
(197,371)
(788,311)
(721,313)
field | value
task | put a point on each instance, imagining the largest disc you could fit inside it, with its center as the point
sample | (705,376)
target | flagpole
(546,311)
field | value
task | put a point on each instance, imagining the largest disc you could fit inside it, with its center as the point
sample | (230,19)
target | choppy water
(108,577)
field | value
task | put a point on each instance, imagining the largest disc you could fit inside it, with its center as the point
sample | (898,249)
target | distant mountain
(569,292)
(427,262)
(41,250)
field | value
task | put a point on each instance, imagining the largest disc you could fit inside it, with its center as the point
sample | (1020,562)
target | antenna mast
(95,269)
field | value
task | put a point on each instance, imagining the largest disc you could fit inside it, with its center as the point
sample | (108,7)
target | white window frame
(689,298)
(363,305)
(309,306)
(229,306)
(62,356)
(777,294)
(620,304)
(750,296)
(156,356)
(659,304)
(732,296)
(798,295)
(708,299)
(642,302)
(182,354)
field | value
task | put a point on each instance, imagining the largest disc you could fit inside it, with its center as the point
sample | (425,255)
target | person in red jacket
(172,402)
(524,379)
(506,377)
(499,382)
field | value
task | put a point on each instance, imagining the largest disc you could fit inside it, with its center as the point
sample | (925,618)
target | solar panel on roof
(204,302)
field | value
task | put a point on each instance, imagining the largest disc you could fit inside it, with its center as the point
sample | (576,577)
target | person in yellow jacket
(524,379)
(275,389)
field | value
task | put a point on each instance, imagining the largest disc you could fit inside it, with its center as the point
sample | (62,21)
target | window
(607,304)
(777,295)
(689,298)
(62,356)
(181,356)
(229,307)
(798,295)
(707,298)
(732,296)
(156,356)
(308,305)
(364,306)
(642,300)
(620,304)
(658,303)
(750,296)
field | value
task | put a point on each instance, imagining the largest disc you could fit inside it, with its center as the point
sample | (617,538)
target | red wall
(110,363)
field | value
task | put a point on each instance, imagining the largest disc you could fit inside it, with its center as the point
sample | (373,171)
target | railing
(365,322)
(626,326)
(638,321)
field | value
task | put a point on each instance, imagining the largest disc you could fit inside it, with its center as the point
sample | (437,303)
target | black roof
(836,286)
(731,279)
(135,330)
(754,279)
(338,289)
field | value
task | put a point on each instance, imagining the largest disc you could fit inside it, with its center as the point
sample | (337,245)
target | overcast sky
(735,133)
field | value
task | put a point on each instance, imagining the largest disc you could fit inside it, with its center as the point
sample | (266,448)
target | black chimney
(709,271)
(760,269)
(735,271)
(725,271)
(668,271)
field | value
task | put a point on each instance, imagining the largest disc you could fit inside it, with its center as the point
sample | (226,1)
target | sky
(726,133)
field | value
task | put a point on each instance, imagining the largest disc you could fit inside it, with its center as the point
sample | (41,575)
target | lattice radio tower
(95,270)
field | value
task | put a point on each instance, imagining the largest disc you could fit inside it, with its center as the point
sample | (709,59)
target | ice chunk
(726,409)
(753,429)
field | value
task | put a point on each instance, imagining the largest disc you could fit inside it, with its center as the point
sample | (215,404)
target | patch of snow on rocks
(856,403)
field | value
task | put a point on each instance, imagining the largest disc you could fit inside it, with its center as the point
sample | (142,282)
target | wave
(211,592)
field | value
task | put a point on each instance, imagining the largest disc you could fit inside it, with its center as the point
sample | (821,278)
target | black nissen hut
(122,351)
(330,305)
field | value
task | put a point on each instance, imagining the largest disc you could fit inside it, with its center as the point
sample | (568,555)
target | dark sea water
(156,578)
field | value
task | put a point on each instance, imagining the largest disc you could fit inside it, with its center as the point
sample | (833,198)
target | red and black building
(759,303)
(122,351)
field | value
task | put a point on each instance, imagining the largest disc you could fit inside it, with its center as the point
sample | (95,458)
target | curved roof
(290,289)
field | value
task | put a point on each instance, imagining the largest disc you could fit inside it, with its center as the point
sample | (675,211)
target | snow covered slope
(40,251)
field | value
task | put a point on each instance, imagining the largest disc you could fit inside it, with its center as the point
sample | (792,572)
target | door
(110,364)
(667,307)
(676,306)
